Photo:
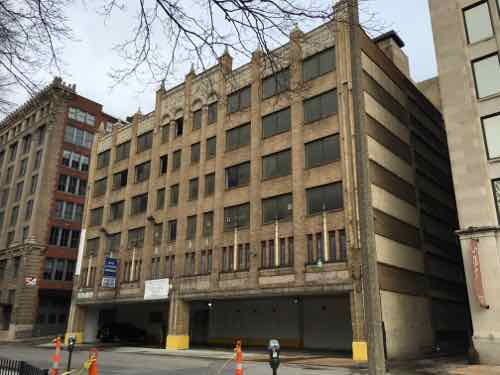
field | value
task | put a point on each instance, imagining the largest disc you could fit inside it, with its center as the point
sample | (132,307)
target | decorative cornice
(34,101)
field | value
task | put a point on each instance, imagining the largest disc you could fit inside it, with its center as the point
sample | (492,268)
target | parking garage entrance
(138,324)
(313,323)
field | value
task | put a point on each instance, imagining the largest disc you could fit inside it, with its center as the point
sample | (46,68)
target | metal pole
(376,360)
(68,368)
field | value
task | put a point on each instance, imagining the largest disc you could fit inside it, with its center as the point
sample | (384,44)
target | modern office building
(467,39)
(44,159)
(232,208)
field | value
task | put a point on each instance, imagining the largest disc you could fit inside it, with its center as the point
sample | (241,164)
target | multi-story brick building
(467,39)
(44,159)
(237,197)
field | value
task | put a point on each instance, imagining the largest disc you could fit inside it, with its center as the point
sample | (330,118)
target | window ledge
(494,160)
(471,45)
(489,97)
(321,165)
(319,120)
(327,212)
(264,179)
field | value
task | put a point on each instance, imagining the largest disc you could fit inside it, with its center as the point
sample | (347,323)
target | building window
(172,230)
(38,160)
(324,198)
(64,211)
(174,195)
(73,182)
(74,160)
(179,126)
(92,247)
(208,224)
(103,159)
(160,199)
(193,189)
(176,162)
(195,152)
(212,113)
(319,64)
(491,128)
(96,216)
(478,22)
(276,123)
(209,184)
(238,175)
(114,241)
(26,144)
(116,210)
(12,152)
(4,198)
(136,238)
(239,100)
(163,164)
(28,211)
(67,184)
(211,147)
(155,268)
(8,176)
(81,116)
(158,234)
(237,216)
(277,165)
(169,265)
(139,204)
(19,191)
(40,135)
(122,151)
(64,237)
(191,227)
(10,237)
(144,141)
(227,258)
(165,133)
(206,262)
(100,187)
(23,166)
(487,75)
(275,84)
(120,179)
(142,172)
(197,119)
(320,107)
(238,137)
(13,215)
(78,137)
(190,264)
(322,151)
(277,208)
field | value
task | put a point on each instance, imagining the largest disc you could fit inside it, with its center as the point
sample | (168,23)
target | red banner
(476,272)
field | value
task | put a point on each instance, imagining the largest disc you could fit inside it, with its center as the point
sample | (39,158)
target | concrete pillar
(178,324)
(76,323)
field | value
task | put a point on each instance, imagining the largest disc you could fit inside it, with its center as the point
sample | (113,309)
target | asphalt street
(111,362)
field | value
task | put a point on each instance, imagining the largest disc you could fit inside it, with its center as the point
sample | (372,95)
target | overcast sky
(89,58)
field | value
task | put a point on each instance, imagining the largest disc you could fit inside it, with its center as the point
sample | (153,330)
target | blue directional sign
(109,274)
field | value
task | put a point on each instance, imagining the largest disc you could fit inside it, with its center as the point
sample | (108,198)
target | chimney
(392,45)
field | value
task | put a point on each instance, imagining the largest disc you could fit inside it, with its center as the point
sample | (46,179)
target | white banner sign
(157,289)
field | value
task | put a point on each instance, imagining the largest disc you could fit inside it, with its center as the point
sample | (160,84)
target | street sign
(109,272)
(156,289)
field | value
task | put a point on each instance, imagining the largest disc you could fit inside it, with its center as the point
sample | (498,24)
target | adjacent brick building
(240,189)
(467,39)
(44,159)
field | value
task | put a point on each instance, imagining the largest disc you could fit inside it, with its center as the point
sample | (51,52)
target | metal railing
(13,367)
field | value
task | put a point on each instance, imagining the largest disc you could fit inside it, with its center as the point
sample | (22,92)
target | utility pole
(371,291)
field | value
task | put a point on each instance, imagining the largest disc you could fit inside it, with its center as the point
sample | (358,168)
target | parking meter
(274,355)
(71,347)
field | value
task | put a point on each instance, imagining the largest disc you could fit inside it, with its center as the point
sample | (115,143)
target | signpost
(109,274)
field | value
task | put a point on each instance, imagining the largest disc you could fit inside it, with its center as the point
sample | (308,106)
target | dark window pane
(277,165)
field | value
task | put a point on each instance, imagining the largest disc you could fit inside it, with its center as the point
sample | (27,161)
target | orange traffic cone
(56,358)
(93,369)
(239,358)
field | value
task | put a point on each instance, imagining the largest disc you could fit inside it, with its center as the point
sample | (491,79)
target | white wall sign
(156,289)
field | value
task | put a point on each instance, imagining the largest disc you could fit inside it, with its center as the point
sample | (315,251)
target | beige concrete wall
(408,324)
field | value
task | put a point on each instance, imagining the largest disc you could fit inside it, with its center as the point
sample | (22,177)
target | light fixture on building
(209,305)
